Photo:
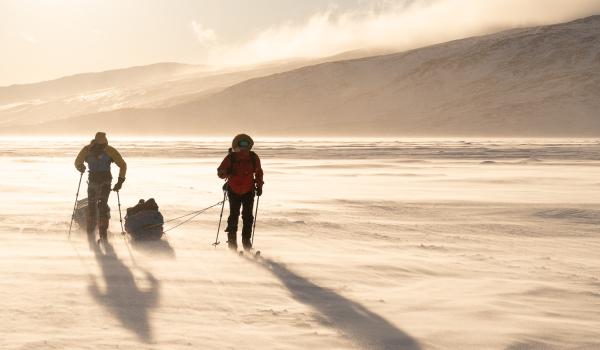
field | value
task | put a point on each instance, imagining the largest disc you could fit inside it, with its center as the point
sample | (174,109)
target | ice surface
(369,244)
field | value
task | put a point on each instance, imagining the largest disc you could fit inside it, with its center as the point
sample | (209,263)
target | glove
(119,184)
(259,191)
(81,168)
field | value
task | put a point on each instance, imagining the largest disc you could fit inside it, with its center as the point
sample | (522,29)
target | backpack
(233,160)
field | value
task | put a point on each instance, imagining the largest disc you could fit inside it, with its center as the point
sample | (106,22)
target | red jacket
(243,171)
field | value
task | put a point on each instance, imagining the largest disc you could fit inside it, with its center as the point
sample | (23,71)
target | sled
(144,222)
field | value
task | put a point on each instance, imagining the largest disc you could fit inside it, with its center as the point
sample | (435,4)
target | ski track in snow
(461,254)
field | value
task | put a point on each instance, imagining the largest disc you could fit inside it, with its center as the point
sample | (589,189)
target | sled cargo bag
(81,213)
(144,221)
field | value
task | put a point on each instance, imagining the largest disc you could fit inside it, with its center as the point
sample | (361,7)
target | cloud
(393,24)
(205,36)
(29,38)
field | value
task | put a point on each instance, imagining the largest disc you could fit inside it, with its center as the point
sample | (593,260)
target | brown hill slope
(542,81)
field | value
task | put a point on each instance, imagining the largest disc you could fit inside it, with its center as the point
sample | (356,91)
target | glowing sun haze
(46,39)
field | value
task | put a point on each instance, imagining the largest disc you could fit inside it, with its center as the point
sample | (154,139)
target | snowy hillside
(87,93)
(528,82)
(158,85)
(535,81)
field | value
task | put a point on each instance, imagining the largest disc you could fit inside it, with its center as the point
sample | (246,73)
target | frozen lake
(382,244)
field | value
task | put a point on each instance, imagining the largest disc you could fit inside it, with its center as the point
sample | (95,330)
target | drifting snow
(357,254)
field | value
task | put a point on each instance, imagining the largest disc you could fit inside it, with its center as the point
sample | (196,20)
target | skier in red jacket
(241,167)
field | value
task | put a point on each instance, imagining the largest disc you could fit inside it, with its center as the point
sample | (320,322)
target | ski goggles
(244,144)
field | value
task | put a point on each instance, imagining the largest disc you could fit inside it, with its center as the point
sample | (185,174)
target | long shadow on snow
(365,328)
(158,248)
(123,297)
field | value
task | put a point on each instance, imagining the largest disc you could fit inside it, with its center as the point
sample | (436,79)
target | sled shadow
(365,328)
(122,297)
(158,248)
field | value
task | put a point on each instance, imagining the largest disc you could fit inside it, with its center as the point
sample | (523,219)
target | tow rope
(193,215)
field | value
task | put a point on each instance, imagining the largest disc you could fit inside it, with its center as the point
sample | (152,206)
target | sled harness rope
(191,215)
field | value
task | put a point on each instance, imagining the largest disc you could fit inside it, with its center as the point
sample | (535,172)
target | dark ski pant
(246,202)
(98,210)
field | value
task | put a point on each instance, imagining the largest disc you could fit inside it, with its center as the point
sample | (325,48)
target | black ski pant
(246,203)
(98,210)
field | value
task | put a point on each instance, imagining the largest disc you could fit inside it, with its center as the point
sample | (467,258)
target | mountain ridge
(539,81)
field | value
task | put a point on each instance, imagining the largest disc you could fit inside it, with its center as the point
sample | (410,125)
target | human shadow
(365,328)
(122,296)
(158,248)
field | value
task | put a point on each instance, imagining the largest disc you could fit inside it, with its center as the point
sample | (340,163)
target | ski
(251,253)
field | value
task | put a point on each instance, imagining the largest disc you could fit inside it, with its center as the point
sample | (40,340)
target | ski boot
(247,244)
(103,230)
(232,241)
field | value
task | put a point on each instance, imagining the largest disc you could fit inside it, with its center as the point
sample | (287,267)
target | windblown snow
(370,244)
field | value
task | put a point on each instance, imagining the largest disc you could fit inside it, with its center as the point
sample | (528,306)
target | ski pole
(255,216)
(220,218)
(75,205)
(123,231)
(120,215)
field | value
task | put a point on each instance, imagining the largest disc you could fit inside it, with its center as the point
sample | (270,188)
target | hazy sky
(46,39)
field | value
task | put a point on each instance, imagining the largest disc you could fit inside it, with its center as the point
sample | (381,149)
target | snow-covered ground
(367,244)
